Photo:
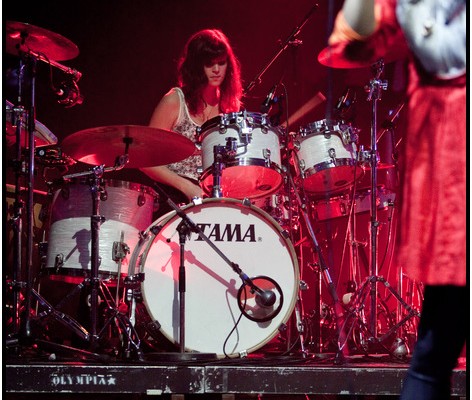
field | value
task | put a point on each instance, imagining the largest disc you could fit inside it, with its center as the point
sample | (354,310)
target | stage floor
(53,375)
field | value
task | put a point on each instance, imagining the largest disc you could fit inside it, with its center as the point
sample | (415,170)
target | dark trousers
(441,337)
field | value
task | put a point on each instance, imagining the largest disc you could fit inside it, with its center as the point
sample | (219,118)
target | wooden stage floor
(53,375)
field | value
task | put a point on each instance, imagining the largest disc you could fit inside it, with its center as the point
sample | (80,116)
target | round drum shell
(127,209)
(255,169)
(248,237)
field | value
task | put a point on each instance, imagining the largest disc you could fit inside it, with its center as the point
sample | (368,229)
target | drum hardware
(369,330)
(31,44)
(222,154)
(15,118)
(120,249)
(100,295)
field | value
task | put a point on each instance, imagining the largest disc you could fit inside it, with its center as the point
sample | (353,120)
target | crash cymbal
(146,146)
(357,54)
(42,135)
(26,37)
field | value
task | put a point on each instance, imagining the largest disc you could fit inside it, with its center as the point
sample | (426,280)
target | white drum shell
(211,300)
(326,157)
(255,169)
(128,209)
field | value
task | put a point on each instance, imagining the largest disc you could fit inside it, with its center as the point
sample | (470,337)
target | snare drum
(252,161)
(127,210)
(326,157)
(248,237)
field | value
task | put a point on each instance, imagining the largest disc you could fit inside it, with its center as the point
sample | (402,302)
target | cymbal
(26,37)
(42,135)
(146,146)
(357,54)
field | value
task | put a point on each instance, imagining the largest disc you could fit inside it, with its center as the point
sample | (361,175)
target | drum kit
(172,283)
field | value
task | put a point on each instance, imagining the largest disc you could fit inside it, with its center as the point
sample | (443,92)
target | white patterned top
(186,127)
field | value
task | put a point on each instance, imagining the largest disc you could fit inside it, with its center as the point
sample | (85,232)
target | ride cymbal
(23,37)
(144,145)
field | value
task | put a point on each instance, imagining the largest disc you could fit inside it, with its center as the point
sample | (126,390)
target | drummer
(209,83)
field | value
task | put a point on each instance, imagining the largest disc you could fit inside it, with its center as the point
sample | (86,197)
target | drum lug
(302,165)
(332,153)
(266,155)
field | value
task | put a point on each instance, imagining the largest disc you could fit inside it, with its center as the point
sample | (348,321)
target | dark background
(128,52)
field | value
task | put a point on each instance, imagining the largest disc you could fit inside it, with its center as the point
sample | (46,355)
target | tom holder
(221,156)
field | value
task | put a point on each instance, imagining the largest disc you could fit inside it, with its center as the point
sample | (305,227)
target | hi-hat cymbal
(357,54)
(145,146)
(42,135)
(26,37)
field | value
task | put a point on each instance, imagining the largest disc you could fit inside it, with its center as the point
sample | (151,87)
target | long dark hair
(201,49)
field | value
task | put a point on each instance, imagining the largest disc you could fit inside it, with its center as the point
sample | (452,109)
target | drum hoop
(229,119)
(329,127)
(337,162)
(248,162)
(115,183)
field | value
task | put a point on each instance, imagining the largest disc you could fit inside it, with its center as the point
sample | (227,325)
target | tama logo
(228,232)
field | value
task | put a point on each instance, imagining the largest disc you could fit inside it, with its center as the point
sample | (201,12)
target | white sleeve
(436,33)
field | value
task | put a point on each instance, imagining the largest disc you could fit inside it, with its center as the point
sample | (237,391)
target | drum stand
(369,287)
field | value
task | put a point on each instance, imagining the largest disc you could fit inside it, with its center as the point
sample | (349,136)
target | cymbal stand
(16,222)
(375,88)
(28,67)
(370,286)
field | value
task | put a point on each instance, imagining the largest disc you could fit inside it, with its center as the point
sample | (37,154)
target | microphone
(266,298)
(69,94)
(266,105)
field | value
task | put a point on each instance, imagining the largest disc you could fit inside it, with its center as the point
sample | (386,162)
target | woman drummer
(209,83)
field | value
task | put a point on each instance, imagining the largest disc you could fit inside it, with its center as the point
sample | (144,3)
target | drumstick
(316,100)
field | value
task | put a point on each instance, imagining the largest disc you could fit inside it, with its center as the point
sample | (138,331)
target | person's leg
(441,336)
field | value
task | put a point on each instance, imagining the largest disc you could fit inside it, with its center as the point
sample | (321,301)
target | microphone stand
(289,40)
(338,307)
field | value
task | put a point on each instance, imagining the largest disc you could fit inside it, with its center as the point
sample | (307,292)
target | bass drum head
(251,240)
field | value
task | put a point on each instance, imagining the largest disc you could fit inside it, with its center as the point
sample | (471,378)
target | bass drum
(249,238)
